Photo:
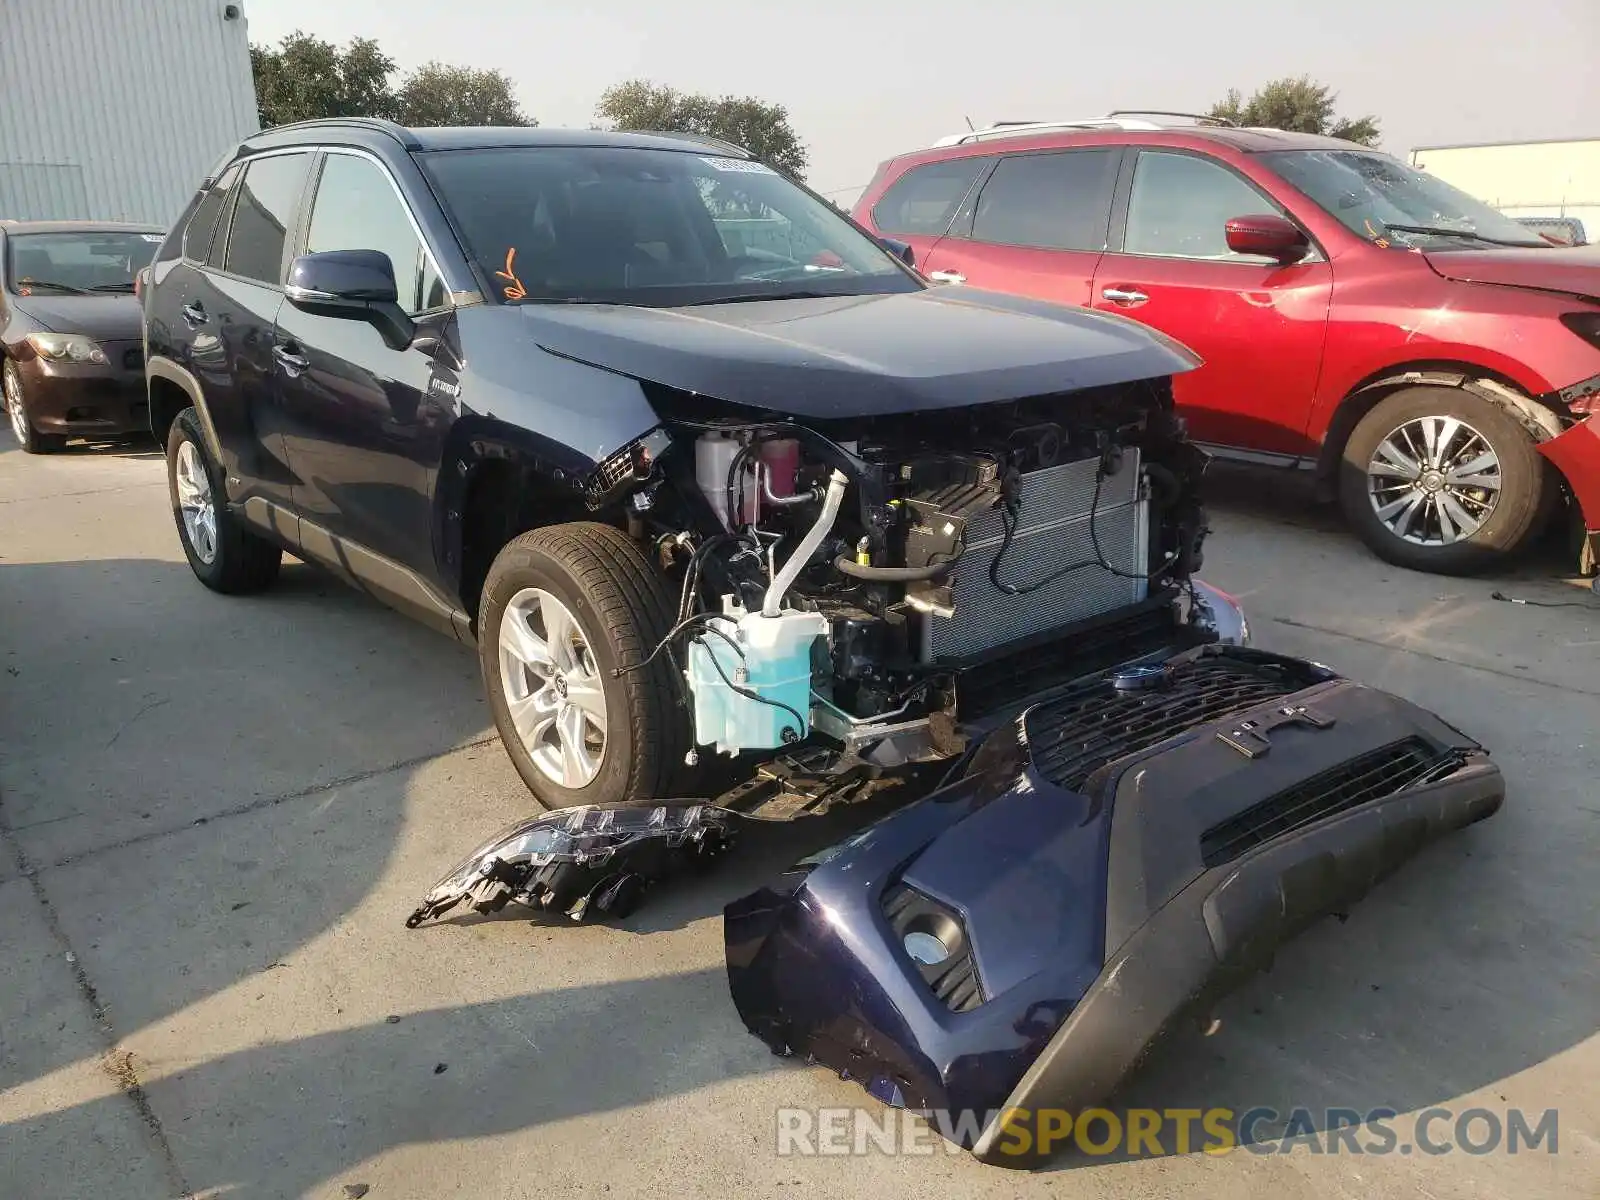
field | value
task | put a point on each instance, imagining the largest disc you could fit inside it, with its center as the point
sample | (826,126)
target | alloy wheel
(195,502)
(1434,481)
(553,688)
(19,418)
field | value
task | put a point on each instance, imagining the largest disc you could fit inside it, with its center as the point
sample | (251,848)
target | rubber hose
(855,570)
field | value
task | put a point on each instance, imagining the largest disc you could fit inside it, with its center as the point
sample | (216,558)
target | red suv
(1434,362)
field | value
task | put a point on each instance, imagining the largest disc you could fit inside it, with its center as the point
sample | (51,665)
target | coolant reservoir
(776,665)
(713,459)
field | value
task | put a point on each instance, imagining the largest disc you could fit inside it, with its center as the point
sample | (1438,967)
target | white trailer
(115,110)
(1554,179)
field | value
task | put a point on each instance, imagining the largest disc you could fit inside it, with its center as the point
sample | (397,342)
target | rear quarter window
(196,233)
(926,199)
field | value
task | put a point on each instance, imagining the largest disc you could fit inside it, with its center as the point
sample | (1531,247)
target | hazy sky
(865,79)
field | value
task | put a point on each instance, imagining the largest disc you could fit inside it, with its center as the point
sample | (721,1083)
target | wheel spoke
(519,640)
(587,696)
(1393,461)
(533,716)
(1476,472)
(1456,521)
(577,764)
(559,631)
(1398,514)
(1444,431)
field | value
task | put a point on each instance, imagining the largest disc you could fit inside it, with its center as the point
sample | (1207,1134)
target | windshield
(82,262)
(650,227)
(1391,204)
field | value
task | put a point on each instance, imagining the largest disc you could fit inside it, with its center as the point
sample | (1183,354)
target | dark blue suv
(701,466)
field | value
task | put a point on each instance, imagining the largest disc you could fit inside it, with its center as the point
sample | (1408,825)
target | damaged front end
(1112,860)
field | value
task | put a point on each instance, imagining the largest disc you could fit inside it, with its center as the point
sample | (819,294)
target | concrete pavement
(218,811)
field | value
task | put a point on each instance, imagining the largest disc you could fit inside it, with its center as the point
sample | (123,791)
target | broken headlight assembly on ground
(1105,807)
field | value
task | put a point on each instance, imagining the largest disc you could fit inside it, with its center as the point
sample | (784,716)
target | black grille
(610,475)
(953,981)
(133,359)
(1072,737)
(1371,776)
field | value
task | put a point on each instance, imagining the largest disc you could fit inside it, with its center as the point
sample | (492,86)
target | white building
(1525,179)
(115,109)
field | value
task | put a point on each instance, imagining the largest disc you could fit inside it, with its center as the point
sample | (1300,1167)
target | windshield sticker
(513,290)
(152,237)
(738,166)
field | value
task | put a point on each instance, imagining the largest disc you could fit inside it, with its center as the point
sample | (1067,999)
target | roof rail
(1197,118)
(1122,118)
(699,139)
(376,124)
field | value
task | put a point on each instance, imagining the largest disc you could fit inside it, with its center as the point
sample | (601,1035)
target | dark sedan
(69,329)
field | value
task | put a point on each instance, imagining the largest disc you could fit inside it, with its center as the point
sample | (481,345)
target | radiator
(1052,530)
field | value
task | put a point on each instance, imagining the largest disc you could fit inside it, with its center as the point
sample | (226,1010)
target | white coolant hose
(772,606)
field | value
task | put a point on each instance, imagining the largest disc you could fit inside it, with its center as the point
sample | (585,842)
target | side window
(262,216)
(926,198)
(1180,204)
(1055,201)
(197,234)
(357,209)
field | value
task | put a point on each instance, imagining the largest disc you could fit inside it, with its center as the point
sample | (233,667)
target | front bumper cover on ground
(1017,941)
(1013,943)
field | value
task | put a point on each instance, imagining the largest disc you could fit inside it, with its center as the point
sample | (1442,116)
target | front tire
(563,608)
(29,438)
(222,552)
(1441,480)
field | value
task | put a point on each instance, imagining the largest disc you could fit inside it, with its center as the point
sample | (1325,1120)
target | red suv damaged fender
(1357,317)
(1576,454)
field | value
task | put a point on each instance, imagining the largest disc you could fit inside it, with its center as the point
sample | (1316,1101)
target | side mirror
(900,250)
(355,285)
(1269,235)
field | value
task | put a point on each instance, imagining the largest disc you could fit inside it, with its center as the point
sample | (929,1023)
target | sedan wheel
(19,419)
(552,688)
(1434,481)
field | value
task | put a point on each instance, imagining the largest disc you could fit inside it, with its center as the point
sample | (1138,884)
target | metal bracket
(1252,738)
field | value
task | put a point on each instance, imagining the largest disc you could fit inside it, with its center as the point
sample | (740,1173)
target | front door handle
(947,276)
(1128,296)
(293,364)
(195,314)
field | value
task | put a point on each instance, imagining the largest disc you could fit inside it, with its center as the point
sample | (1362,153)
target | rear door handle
(1128,296)
(293,364)
(195,314)
(947,276)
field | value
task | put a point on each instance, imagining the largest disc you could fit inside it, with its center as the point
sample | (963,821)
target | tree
(1299,105)
(761,128)
(305,78)
(440,94)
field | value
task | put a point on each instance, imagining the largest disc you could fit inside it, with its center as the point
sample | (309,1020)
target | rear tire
(16,405)
(581,600)
(1441,480)
(223,553)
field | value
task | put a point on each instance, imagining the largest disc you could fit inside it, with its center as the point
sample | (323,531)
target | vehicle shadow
(444,1074)
(270,743)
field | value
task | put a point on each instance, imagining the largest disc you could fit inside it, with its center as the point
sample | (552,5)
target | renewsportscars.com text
(1151,1132)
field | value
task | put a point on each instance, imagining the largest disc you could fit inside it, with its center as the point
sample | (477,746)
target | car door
(1037,227)
(227,315)
(1258,324)
(364,432)
(918,207)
